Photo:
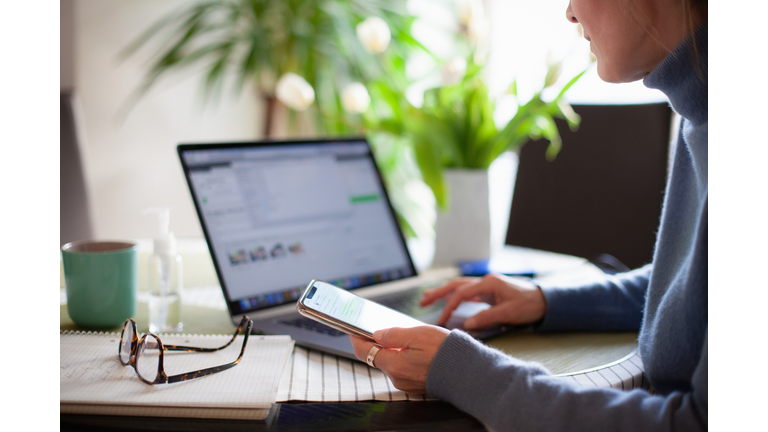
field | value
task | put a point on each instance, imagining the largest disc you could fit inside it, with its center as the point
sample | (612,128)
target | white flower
(453,71)
(553,74)
(468,10)
(374,34)
(294,91)
(554,69)
(355,98)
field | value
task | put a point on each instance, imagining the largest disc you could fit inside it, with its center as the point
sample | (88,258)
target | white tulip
(468,10)
(453,71)
(374,34)
(294,91)
(355,98)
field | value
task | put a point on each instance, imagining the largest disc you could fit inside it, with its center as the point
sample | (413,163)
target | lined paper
(314,376)
(91,373)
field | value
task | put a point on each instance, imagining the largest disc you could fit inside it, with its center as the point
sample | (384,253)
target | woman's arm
(615,303)
(509,394)
(612,303)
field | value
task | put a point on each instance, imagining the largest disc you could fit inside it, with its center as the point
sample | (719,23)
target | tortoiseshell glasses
(145,354)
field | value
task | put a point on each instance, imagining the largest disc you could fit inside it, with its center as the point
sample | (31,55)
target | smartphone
(348,312)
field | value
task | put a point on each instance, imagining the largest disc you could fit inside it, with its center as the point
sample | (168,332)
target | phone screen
(354,310)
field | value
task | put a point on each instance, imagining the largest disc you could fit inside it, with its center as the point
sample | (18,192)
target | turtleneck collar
(678,78)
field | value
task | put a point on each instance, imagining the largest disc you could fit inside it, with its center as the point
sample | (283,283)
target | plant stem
(271,105)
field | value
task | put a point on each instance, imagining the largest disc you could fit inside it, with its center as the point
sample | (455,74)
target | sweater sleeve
(615,303)
(505,393)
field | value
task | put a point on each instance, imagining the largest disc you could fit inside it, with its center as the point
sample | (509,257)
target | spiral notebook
(93,381)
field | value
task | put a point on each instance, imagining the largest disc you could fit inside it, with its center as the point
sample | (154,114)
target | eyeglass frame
(162,377)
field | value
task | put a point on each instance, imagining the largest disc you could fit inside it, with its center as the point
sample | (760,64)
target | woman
(663,42)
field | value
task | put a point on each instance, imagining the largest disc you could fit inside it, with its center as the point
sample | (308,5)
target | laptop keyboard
(406,302)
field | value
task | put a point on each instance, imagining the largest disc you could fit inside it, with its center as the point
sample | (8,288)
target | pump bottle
(165,278)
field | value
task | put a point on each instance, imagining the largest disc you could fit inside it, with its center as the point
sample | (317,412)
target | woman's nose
(569,14)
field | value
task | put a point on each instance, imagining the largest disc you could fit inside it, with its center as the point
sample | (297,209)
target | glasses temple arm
(213,370)
(198,349)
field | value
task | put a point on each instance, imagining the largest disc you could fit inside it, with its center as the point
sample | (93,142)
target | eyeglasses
(145,354)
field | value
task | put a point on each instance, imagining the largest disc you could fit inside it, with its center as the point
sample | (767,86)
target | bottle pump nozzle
(165,242)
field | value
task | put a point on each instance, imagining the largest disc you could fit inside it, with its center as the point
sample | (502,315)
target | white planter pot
(463,232)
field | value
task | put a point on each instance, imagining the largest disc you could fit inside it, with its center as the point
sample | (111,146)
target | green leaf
(428,158)
(512,89)
(570,83)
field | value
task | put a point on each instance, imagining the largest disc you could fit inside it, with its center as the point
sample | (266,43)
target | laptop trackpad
(464,311)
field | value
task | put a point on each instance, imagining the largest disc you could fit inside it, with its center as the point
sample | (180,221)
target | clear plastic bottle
(165,279)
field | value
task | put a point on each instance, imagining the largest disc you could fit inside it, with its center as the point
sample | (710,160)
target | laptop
(278,214)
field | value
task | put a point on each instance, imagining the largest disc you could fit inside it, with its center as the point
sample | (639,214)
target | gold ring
(372,355)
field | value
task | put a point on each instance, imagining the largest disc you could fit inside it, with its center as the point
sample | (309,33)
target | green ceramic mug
(100,279)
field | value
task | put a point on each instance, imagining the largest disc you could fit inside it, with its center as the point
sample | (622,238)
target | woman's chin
(611,75)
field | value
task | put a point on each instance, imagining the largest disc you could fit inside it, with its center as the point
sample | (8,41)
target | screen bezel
(188,147)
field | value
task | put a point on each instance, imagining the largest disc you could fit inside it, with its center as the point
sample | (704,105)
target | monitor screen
(277,216)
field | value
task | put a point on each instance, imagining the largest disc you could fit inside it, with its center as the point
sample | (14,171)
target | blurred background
(128,145)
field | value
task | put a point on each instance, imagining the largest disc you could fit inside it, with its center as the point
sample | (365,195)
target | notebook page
(92,373)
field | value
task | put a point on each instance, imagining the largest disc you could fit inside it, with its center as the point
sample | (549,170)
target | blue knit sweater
(665,300)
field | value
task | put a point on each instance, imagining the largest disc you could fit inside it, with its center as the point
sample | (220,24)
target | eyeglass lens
(125,344)
(147,358)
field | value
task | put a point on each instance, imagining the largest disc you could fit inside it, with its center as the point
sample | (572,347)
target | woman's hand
(513,301)
(406,356)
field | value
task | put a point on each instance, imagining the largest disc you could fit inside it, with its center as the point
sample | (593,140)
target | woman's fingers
(526,306)
(405,354)
(361,346)
(430,296)
(395,337)
(494,315)
(411,351)
(468,291)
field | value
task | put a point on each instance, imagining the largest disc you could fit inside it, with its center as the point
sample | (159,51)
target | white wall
(131,162)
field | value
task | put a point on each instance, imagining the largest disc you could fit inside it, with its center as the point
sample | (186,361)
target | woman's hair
(694,14)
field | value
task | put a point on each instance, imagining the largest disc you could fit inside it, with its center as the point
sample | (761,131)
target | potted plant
(302,55)
(455,138)
(342,65)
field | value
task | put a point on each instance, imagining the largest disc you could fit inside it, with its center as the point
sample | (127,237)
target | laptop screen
(277,215)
